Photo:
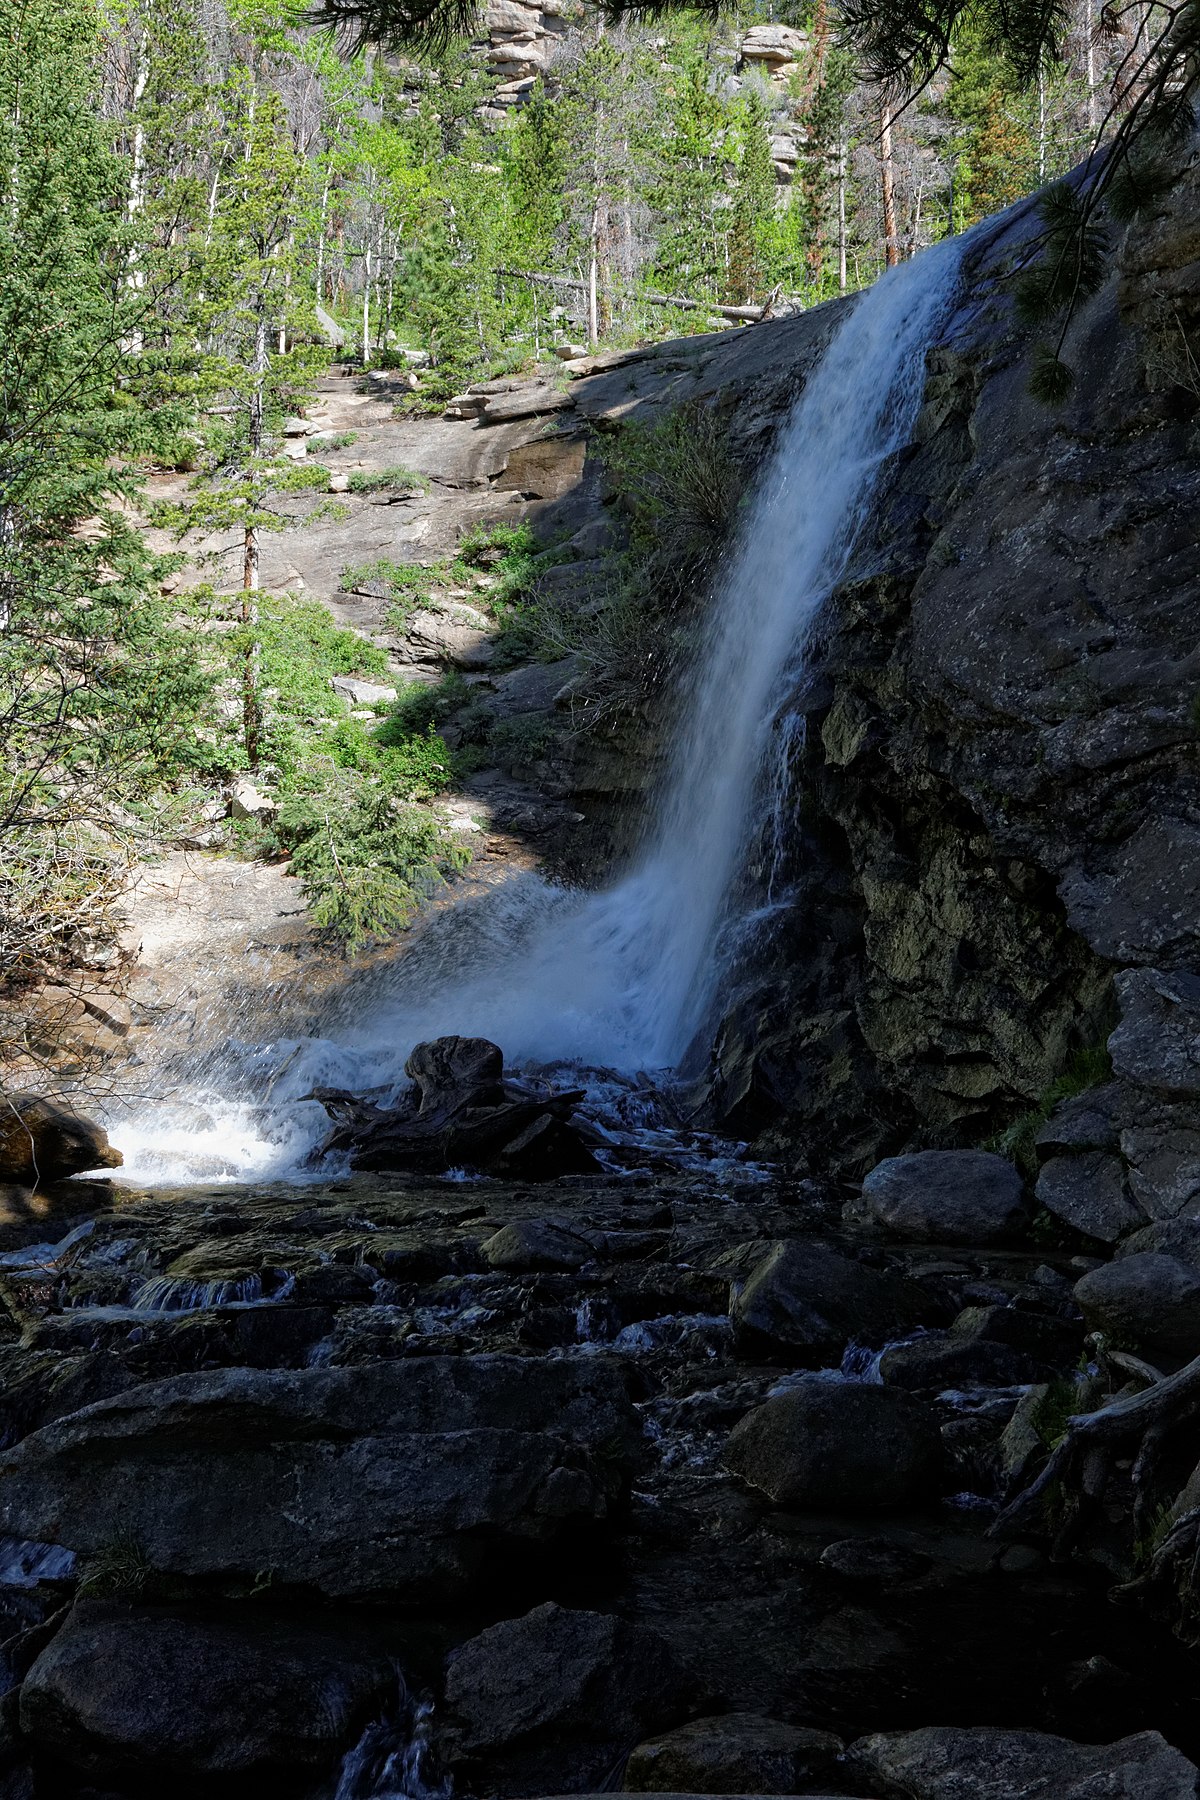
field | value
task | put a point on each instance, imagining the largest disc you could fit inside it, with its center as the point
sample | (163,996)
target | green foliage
(753,207)
(523,740)
(121,1568)
(1051,380)
(335,440)
(1074,257)
(373,481)
(366,859)
(1064,1397)
(1086,1069)
(681,490)
(419,707)
(99,696)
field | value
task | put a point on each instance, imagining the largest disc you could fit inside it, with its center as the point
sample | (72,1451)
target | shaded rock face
(426,1477)
(736,1753)
(943,1764)
(994,803)
(148,1692)
(822,1447)
(528,1689)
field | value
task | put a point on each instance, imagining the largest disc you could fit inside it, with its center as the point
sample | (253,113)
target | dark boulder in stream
(461,1114)
(804,1302)
(558,1681)
(947,1764)
(824,1446)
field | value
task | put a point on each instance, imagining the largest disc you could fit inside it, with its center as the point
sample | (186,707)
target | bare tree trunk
(1089,67)
(891,246)
(366,307)
(841,198)
(321,237)
(251,708)
(593,269)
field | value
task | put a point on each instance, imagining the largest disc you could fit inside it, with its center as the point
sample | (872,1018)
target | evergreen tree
(97,698)
(753,216)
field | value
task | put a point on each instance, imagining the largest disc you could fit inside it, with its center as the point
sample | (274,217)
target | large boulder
(735,1753)
(529,1244)
(943,1197)
(944,1359)
(991,1763)
(833,1446)
(405,1478)
(557,1682)
(1089,1192)
(1150,1301)
(803,1303)
(151,1692)
(46,1140)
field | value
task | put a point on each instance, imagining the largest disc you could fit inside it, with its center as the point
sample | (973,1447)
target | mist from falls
(623,978)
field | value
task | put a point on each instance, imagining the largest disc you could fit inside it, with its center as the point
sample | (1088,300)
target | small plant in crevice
(121,1568)
(1018,1141)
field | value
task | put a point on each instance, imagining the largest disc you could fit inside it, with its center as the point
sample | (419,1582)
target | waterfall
(624,977)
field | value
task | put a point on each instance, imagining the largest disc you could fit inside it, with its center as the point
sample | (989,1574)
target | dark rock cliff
(995,800)
(995,837)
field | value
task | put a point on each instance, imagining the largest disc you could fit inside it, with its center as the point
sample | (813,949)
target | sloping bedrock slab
(399,1479)
(146,1692)
(990,1763)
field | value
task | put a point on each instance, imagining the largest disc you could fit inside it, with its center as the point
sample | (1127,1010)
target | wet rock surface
(266,1448)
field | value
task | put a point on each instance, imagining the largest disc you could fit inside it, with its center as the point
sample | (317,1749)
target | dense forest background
(721,161)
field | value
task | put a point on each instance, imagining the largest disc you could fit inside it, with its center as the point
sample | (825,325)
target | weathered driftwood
(1077,1471)
(460,1113)
(743,315)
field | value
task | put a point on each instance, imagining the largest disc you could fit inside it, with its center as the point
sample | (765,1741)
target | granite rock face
(996,855)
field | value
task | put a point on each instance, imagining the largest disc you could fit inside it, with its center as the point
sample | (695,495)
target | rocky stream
(718,1416)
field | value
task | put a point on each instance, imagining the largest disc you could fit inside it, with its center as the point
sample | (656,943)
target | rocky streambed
(396,1485)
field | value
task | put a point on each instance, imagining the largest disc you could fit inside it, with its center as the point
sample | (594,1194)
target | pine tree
(96,699)
(753,208)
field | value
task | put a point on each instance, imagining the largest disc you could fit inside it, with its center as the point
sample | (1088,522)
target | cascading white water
(623,978)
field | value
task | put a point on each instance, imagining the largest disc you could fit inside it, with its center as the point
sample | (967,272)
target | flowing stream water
(621,979)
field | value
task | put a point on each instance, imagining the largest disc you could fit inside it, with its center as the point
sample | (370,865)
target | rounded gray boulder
(1149,1301)
(943,1197)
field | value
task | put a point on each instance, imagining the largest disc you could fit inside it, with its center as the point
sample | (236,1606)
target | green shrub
(418,707)
(522,740)
(681,491)
(335,440)
(366,859)
(371,481)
